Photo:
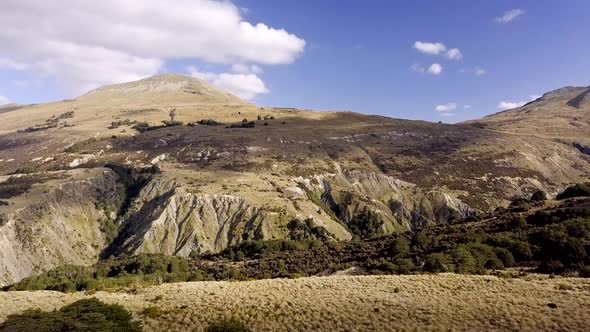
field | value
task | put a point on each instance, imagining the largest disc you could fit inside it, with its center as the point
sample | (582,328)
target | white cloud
(477,71)
(534,97)
(417,68)
(508,105)
(84,44)
(446,107)
(466,107)
(241,68)
(438,48)
(435,69)
(4,100)
(12,64)
(509,16)
(447,114)
(454,54)
(243,85)
(430,48)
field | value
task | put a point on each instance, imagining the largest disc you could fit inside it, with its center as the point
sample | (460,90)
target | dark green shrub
(83,315)
(172,123)
(421,241)
(505,256)
(141,126)
(585,271)
(482,253)
(463,260)
(404,266)
(81,146)
(494,264)
(539,196)
(244,124)
(518,222)
(152,312)
(306,230)
(578,190)
(553,266)
(27,169)
(126,122)
(399,247)
(208,122)
(228,325)
(438,263)
(521,250)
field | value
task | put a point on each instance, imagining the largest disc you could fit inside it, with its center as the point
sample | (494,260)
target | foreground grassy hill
(346,303)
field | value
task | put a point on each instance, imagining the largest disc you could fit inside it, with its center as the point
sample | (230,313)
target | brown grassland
(347,303)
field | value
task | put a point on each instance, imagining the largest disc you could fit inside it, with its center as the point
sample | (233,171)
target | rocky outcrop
(167,219)
(119,213)
(371,204)
(66,225)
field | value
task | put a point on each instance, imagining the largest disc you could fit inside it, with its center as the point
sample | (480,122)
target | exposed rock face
(69,224)
(371,204)
(167,219)
(65,226)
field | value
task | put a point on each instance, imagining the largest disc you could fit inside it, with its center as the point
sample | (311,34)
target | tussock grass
(348,303)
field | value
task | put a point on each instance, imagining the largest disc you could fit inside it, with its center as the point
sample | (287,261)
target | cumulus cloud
(435,49)
(446,107)
(466,107)
(509,16)
(430,48)
(4,100)
(508,105)
(435,69)
(244,84)
(84,44)
(454,54)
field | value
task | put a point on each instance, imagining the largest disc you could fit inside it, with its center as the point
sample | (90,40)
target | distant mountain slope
(560,114)
(144,100)
(177,89)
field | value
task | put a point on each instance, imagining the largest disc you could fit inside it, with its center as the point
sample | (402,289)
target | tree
(400,246)
(539,196)
(172,114)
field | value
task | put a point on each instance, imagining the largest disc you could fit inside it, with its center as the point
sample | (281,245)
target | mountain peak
(565,92)
(167,86)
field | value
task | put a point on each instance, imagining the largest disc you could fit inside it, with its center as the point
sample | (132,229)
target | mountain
(559,114)
(111,173)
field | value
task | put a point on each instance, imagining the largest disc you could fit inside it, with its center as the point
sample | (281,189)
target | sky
(434,60)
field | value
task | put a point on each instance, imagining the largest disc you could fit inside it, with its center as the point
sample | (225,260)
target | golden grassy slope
(562,114)
(145,100)
(347,303)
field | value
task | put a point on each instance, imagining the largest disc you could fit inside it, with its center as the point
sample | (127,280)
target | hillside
(560,114)
(102,174)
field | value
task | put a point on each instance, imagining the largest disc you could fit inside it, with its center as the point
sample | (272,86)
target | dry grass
(375,303)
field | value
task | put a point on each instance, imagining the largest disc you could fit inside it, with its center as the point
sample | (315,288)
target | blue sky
(361,56)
